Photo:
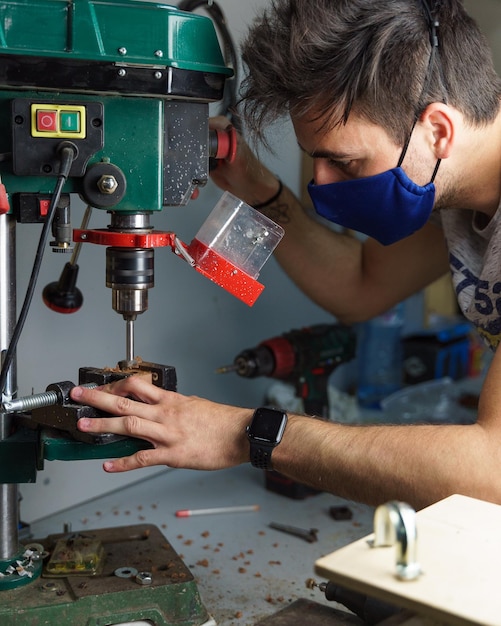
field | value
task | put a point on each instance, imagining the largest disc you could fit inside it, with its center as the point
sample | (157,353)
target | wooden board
(459,549)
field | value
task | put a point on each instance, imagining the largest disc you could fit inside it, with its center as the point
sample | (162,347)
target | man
(398,105)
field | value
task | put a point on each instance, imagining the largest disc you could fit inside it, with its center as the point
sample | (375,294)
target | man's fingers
(137,387)
(143,458)
(129,426)
(101,399)
(219,122)
(111,398)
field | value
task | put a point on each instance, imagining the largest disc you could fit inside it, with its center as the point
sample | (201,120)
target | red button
(46,121)
(43,206)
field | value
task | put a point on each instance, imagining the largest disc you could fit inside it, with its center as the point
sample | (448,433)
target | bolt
(122,72)
(122,51)
(107,184)
(159,53)
(158,75)
(144,578)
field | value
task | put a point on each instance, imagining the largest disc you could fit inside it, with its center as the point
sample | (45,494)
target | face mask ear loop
(435,171)
(407,142)
(433,26)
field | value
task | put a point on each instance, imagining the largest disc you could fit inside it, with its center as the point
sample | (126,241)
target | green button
(70,121)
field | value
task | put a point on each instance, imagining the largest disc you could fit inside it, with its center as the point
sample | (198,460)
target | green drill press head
(129,83)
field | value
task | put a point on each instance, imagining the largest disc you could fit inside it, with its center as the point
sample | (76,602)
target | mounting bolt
(107,184)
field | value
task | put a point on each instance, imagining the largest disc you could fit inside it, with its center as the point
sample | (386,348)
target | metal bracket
(395,523)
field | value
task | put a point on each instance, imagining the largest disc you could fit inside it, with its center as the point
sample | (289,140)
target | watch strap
(260,456)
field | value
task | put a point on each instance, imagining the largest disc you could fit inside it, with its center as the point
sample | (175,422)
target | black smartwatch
(265,432)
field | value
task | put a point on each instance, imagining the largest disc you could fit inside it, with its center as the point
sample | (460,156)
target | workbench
(244,569)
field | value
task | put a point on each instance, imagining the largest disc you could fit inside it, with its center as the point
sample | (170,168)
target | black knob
(64,296)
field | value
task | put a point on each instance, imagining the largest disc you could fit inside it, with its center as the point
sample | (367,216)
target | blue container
(380,357)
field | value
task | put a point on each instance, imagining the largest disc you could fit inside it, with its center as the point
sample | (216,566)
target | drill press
(109,100)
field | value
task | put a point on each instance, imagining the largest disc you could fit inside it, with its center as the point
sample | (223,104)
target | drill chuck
(129,270)
(129,273)
(255,362)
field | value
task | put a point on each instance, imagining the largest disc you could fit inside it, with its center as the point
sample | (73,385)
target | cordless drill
(304,357)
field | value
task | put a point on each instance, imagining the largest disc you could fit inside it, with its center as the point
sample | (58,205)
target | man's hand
(246,177)
(187,432)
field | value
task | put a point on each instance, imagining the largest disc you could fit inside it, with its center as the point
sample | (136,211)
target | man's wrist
(271,198)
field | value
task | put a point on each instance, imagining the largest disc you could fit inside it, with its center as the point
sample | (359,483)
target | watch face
(268,425)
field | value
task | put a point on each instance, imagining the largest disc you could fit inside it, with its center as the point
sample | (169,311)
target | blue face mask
(387,206)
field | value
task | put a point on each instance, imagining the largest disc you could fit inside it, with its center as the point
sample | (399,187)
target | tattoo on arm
(278,212)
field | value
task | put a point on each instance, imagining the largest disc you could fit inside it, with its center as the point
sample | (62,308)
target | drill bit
(225,369)
(129,343)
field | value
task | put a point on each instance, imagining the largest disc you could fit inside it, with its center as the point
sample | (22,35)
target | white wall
(191,323)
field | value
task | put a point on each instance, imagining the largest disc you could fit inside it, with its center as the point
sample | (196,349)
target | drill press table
(245,570)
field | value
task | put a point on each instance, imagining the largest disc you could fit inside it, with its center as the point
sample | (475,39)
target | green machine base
(138,576)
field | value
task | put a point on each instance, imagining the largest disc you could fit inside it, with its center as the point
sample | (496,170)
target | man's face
(356,150)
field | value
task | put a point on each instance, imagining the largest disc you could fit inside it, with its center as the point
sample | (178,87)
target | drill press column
(8,493)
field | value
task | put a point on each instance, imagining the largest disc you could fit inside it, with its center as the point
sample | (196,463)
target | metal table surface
(245,570)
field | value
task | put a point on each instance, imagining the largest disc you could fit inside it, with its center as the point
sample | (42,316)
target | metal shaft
(129,344)
(9,517)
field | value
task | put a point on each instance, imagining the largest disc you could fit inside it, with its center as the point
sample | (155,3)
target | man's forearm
(324,264)
(418,464)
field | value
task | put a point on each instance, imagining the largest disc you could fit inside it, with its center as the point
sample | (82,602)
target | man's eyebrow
(325,154)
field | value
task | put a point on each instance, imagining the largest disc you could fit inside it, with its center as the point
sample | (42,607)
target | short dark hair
(370,57)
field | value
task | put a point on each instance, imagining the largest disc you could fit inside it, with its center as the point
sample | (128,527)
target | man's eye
(343,165)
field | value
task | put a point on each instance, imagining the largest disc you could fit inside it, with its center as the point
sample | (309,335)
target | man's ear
(441,121)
